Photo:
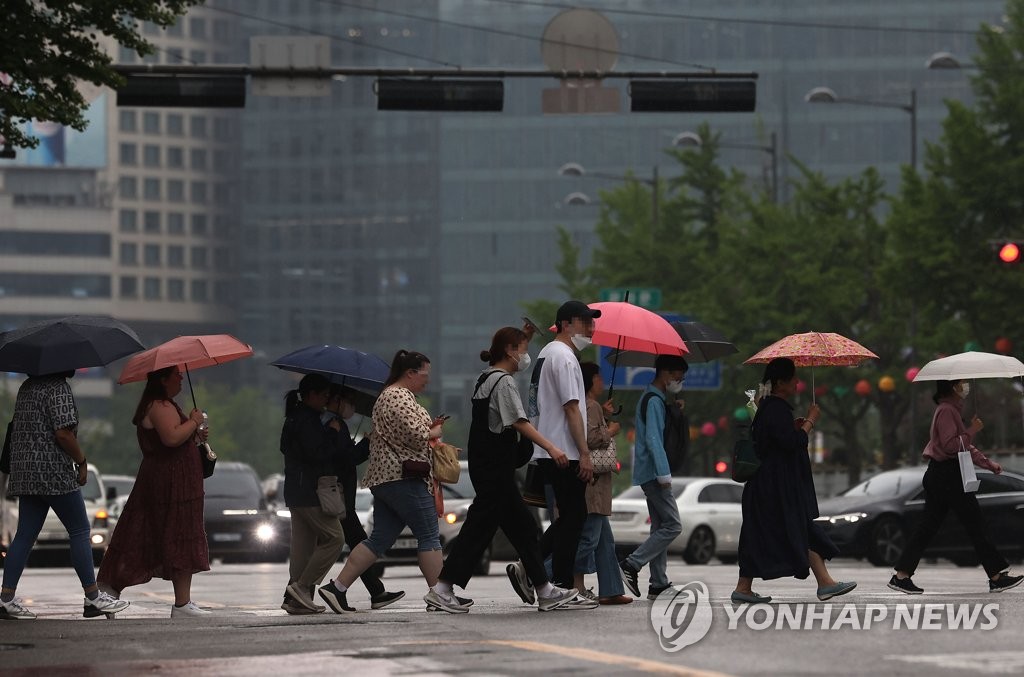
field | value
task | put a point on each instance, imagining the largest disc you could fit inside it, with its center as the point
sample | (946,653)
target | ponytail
(504,338)
(310,383)
(402,362)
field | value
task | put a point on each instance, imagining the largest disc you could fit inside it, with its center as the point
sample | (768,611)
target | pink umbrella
(189,352)
(815,349)
(628,327)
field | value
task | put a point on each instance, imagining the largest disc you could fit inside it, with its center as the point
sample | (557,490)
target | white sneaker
(580,602)
(104,604)
(444,602)
(15,610)
(521,582)
(189,610)
(559,597)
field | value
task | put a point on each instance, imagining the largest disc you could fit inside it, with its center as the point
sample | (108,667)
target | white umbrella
(971,365)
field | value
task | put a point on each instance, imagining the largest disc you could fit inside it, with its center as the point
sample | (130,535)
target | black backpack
(677,435)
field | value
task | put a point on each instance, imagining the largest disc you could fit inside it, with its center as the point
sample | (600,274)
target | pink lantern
(723,422)
(862,388)
(912,373)
(820,391)
(801,387)
(708,429)
(1004,345)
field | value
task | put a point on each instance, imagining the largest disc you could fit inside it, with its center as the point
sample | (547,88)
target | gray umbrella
(704,343)
(66,344)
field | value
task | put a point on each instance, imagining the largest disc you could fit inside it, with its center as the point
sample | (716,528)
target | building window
(222,129)
(152,287)
(152,255)
(174,55)
(175,158)
(197,28)
(176,256)
(177,29)
(128,154)
(151,155)
(151,222)
(176,223)
(198,127)
(126,55)
(176,190)
(199,257)
(129,287)
(222,291)
(198,158)
(175,124)
(199,224)
(129,221)
(198,192)
(128,120)
(129,254)
(151,123)
(176,289)
(151,189)
(222,257)
(128,187)
(199,293)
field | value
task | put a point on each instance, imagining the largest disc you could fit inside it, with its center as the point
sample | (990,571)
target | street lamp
(943,61)
(827,95)
(693,140)
(577,170)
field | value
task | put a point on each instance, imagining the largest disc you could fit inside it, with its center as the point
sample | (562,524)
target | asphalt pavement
(687,633)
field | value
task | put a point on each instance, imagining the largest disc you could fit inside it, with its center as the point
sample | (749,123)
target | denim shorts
(400,503)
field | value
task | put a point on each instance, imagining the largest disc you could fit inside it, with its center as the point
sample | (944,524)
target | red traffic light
(1009,253)
(721,467)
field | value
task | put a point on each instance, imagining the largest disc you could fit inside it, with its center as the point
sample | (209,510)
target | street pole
(913,302)
(913,129)
(774,150)
(655,216)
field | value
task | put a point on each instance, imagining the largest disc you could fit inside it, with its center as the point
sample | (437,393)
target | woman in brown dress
(160,532)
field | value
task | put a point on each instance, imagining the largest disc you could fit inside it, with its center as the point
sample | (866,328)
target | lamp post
(693,140)
(576,169)
(827,95)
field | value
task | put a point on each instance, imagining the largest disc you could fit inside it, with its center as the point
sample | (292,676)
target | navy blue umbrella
(363,372)
(66,344)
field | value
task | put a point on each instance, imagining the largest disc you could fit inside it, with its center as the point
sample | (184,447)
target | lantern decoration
(1004,345)
(840,391)
(723,422)
(863,388)
(631,435)
(887,384)
(801,387)
(821,391)
(708,429)
(972,346)
(694,432)
(912,373)
(741,414)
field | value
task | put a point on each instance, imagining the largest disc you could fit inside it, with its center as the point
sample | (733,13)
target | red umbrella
(815,349)
(189,352)
(628,327)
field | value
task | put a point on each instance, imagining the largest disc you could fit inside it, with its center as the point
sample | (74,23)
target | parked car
(710,511)
(52,545)
(239,525)
(118,488)
(875,518)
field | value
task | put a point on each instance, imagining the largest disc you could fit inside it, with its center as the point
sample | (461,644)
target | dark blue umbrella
(344,366)
(66,344)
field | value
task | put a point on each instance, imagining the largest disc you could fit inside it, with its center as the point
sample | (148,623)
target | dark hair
(153,392)
(402,362)
(503,338)
(670,363)
(340,392)
(310,383)
(590,370)
(943,389)
(779,369)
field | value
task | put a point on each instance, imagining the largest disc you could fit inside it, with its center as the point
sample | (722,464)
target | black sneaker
(335,598)
(386,598)
(906,585)
(654,591)
(630,576)
(1004,582)
(463,601)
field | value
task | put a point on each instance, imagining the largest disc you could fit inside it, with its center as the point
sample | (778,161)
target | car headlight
(265,532)
(455,516)
(285,513)
(845,518)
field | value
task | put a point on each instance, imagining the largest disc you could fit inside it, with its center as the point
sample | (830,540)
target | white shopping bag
(967,474)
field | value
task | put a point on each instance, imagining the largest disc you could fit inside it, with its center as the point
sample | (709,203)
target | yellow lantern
(887,384)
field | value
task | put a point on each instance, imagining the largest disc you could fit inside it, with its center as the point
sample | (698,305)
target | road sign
(645,297)
(290,51)
(704,376)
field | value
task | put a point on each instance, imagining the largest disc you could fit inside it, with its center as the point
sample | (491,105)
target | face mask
(675,387)
(523,362)
(580,341)
(964,389)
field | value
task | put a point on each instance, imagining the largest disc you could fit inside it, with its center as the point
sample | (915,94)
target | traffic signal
(1009,252)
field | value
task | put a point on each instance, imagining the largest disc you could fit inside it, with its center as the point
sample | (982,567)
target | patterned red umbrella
(815,349)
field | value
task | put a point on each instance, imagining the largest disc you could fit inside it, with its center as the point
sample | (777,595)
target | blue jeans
(32,510)
(597,553)
(665,527)
(400,503)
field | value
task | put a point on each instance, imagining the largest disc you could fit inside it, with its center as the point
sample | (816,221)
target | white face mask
(964,389)
(674,387)
(523,362)
(580,341)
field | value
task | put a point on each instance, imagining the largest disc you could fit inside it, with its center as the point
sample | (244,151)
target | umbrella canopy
(627,327)
(971,365)
(341,365)
(704,343)
(815,349)
(66,344)
(190,352)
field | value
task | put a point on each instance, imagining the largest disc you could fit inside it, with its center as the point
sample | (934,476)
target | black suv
(239,525)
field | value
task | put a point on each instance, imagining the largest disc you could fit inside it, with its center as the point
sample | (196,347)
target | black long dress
(779,504)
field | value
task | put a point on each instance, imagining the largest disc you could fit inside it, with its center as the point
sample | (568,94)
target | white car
(53,544)
(709,508)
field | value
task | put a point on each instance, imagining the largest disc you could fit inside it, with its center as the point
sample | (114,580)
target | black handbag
(208,458)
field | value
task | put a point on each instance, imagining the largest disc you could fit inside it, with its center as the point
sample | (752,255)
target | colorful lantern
(1004,345)
(863,388)
(972,346)
(820,391)
(694,432)
(708,429)
(801,387)
(723,422)
(741,414)
(912,373)
(887,384)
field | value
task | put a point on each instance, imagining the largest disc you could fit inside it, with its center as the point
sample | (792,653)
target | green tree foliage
(50,48)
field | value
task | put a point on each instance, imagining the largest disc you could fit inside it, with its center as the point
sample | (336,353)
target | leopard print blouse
(400,429)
